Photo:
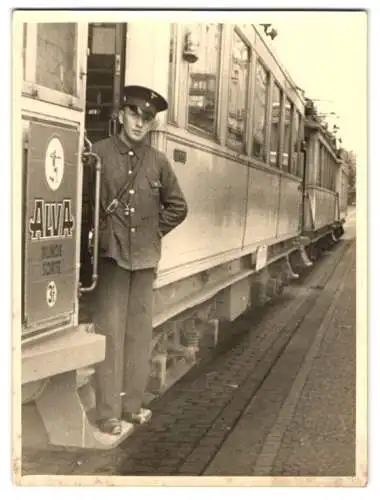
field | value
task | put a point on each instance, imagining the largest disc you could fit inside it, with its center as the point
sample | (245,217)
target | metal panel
(50,223)
(262,207)
(215,189)
(234,300)
(289,213)
(324,206)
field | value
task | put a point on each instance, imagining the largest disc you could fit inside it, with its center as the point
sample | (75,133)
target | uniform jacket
(156,204)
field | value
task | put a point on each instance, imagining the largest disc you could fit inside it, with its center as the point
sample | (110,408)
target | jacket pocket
(155,187)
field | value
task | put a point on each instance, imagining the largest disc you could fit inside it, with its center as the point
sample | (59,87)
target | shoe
(142,417)
(110,426)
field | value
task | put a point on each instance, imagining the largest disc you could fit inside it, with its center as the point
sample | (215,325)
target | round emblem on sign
(51,294)
(54,163)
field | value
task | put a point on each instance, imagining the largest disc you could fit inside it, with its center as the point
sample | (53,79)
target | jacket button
(132,210)
(131,153)
(133,229)
(129,172)
(131,191)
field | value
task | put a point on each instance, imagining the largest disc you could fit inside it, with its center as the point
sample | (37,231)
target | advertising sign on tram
(50,225)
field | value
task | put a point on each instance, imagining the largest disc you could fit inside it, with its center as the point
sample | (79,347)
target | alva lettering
(51,220)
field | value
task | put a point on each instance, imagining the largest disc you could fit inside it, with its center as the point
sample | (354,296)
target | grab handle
(94,237)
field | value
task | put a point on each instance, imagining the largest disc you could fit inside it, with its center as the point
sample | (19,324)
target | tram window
(332,174)
(172,69)
(328,171)
(320,164)
(24,35)
(238,97)
(297,161)
(295,143)
(301,162)
(56,56)
(103,39)
(260,107)
(275,125)
(286,155)
(204,79)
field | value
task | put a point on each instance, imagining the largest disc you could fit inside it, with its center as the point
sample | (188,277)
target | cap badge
(153,95)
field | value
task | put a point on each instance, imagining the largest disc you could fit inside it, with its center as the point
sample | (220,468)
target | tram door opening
(105,81)
(105,78)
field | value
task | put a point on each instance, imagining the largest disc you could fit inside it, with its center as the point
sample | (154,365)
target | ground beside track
(302,422)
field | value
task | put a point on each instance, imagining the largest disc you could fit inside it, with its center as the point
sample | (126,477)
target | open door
(105,81)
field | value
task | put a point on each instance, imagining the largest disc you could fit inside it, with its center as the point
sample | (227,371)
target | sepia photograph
(189,247)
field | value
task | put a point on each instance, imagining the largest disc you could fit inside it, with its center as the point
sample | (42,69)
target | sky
(326,55)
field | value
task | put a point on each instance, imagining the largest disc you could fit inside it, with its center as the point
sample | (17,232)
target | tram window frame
(240,147)
(76,100)
(192,127)
(277,163)
(263,153)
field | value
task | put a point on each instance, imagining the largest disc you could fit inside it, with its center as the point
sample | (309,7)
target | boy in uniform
(140,202)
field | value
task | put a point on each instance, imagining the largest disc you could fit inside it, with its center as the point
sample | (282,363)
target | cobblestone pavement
(321,437)
(302,421)
(196,419)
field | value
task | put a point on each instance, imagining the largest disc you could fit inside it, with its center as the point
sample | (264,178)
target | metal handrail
(95,233)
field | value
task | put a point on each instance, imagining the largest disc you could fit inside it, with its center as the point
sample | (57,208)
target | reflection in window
(204,78)
(260,107)
(237,102)
(286,156)
(275,126)
(56,56)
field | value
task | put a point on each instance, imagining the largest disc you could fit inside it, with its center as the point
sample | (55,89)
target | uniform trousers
(122,311)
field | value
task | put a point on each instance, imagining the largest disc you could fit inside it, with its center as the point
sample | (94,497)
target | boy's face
(136,125)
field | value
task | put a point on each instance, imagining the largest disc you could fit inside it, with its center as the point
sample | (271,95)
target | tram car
(326,182)
(252,167)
